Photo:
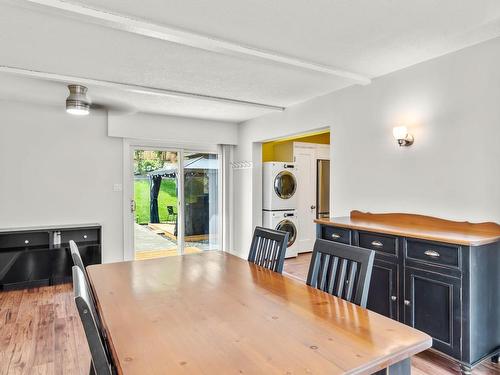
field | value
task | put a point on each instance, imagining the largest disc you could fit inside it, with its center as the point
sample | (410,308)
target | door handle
(132,205)
(407,303)
(394,298)
(313,207)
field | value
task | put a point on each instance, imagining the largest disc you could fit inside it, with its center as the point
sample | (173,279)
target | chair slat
(333,274)
(325,259)
(342,270)
(268,248)
(351,279)
(341,280)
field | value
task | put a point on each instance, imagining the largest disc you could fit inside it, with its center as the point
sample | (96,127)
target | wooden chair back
(88,315)
(341,270)
(268,248)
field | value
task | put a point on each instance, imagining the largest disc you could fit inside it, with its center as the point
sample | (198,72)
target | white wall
(451,104)
(172,129)
(60,169)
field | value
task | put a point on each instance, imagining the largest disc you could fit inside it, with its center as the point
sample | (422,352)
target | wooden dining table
(214,313)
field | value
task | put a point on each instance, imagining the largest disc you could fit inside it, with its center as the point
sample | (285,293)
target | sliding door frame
(129,145)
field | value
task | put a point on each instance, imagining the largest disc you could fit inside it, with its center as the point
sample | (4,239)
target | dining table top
(215,313)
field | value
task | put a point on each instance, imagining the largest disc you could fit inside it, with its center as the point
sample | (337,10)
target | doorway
(309,155)
(175,202)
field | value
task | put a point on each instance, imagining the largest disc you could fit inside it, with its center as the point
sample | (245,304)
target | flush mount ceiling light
(401,135)
(77,102)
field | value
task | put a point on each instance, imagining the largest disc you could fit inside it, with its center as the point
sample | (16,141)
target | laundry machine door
(285,185)
(288,226)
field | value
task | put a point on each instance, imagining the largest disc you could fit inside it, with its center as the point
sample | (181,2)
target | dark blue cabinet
(447,290)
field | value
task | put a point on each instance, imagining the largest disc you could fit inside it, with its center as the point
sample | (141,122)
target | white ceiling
(369,38)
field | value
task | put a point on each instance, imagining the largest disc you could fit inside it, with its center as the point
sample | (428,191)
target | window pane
(201,197)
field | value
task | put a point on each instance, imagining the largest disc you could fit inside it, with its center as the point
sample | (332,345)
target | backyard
(166,197)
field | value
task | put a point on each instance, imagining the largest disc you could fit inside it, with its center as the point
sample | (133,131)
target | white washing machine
(285,221)
(279,186)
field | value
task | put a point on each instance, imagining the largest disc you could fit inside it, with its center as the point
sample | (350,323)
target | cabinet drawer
(24,239)
(441,254)
(379,242)
(336,234)
(80,235)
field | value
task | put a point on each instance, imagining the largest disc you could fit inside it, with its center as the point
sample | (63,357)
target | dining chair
(100,363)
(171,214)
(77,261)
(341,270)
(77,258)
(268,248)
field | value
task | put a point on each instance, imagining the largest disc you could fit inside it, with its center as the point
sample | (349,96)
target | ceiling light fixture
(77,102)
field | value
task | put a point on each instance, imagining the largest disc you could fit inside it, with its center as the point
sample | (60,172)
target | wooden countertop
(214,313)
(420,226)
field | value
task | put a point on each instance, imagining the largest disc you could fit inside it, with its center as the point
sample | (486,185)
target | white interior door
(305,160)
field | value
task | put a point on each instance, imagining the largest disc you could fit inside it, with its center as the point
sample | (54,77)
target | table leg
(401,368)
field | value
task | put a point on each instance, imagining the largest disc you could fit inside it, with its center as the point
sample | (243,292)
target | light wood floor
(150,254)
(40,333)
(427,363)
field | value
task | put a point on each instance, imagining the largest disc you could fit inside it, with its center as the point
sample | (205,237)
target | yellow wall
(268,148)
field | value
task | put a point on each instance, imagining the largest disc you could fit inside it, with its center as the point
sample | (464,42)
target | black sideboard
(448,290)
(29,258)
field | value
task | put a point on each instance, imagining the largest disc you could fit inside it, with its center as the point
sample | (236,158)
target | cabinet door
(433,305)
(383,294)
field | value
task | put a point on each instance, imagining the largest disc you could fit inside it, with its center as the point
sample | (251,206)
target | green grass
(166,197)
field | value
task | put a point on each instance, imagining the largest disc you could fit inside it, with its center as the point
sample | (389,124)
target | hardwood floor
(41,333)
(427,363)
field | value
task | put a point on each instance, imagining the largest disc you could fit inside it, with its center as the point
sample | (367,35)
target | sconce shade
(77,102)
(400,132)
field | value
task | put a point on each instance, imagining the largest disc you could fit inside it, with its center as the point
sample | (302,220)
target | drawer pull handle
(26,242)
(407,303)
(377,244)
(336,236)
(85,236)
(432,253)
(394,298)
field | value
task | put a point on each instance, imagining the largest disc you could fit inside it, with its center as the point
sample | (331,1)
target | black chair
(171,215)
(101,365)
(77,259)
(342,270)
(268,248)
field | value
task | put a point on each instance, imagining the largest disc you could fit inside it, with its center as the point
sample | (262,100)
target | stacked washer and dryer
(280,201)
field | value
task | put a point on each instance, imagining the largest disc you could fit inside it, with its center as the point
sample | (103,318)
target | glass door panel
(201,202)
(156,203)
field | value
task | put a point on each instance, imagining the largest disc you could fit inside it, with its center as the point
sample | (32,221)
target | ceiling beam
(137,89)
(170,34)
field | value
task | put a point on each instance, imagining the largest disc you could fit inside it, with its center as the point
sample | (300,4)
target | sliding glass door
(175,202)
(201,201)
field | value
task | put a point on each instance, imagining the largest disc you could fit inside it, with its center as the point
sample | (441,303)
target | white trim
(175,35)
(137,89)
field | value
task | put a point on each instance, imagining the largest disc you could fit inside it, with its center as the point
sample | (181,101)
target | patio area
(153,243)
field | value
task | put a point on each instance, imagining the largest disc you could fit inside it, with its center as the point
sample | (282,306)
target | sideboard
(439,276)
(40,256)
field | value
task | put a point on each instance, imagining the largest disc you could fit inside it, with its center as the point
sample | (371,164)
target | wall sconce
(401,135)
